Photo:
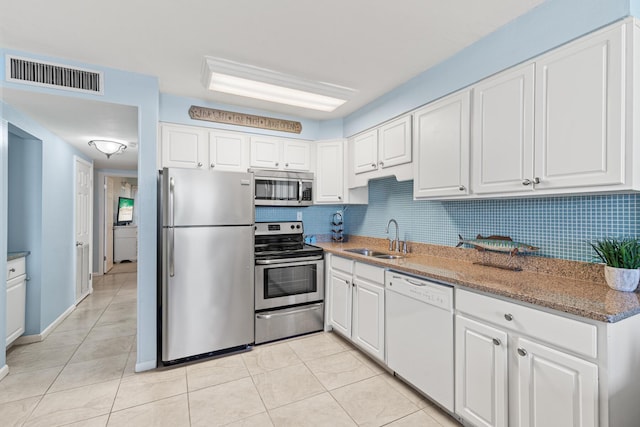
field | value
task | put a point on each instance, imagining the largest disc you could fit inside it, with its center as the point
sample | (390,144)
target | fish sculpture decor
(498,244)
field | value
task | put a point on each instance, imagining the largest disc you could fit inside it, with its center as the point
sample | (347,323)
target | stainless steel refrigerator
(207,264)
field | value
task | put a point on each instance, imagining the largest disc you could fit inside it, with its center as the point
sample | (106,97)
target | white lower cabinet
(505,377)
(16,299)
(356,304)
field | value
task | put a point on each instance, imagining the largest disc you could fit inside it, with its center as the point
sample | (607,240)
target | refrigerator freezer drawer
(288,322)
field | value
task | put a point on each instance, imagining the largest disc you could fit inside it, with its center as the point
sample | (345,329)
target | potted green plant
(622,259)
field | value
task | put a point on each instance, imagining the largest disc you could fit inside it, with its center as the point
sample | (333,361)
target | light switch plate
(299,216)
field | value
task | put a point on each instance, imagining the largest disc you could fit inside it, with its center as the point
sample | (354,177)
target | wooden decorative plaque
(241,119)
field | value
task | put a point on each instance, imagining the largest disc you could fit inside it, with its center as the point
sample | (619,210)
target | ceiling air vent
(40,73)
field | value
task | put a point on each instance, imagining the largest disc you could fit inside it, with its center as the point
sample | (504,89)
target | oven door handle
(287,260)
(286,313)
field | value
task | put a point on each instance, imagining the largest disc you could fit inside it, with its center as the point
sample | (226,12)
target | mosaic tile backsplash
(561,226)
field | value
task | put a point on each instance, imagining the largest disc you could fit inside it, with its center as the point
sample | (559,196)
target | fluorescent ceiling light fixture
(108,147)
(259,83)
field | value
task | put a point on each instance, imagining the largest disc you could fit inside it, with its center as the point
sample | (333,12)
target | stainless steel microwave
(278,188)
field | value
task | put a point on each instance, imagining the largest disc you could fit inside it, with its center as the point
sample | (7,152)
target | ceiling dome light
(108,147)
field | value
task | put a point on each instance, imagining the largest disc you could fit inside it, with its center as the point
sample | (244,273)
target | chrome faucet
(395,242)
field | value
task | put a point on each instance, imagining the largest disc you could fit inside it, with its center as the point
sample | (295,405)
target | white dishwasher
(419,320)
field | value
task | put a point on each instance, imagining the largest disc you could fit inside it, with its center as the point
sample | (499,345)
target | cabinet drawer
(370,273)
(566,333)
(342,264)
(16,267)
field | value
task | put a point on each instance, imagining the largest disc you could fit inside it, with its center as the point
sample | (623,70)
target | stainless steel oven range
(289,282)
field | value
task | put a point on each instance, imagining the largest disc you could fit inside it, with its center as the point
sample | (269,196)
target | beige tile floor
(82,375)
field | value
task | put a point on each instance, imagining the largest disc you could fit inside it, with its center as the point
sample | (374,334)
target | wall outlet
(299,216)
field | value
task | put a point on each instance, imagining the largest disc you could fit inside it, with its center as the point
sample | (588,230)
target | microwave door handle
(299,191)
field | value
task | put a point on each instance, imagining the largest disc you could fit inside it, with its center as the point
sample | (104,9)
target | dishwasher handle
(406,279)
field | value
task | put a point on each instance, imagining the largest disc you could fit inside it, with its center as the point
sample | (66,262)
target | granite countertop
(585,298)
(15,255)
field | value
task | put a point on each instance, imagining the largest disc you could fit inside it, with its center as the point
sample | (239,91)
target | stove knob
(298,226)
(292,226)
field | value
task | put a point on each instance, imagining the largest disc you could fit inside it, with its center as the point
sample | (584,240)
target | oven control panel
(286,227)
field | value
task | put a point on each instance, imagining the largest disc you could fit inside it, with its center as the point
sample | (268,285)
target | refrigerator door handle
(172,238)
(172,185)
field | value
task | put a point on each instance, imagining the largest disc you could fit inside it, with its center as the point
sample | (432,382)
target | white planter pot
(622,279)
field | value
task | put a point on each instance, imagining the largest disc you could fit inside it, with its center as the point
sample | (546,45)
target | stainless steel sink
(388,256)
(373,253)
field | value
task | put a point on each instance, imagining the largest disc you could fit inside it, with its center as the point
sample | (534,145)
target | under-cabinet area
(488,359)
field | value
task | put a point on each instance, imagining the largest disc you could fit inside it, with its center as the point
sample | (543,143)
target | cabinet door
(228,151)
(340,303)
(365,152)
(329,172)
(184,146)
(441,135)
(502,133)
(481,373)
(579,131)
(265,153)
(368,318)
(16,302)
(296,155)
(395,143)
(555,388)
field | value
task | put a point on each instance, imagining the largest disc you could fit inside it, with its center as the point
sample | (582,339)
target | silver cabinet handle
(286,165)
(462,188)
(508,317)
(535,180)
(213,165)
(373,165)
(346,281)
(12,270)
(526,182)
(496,341)
(277,164)
(339,197)
(381,164)
(522,352)
(78,243)
(199,164)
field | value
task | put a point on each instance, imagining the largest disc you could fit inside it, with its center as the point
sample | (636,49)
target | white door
(579,131)
(555,388)
(441,141)
(340,303)
(394,146)
(265,153)
(183,146)
(108,224)
(368,318)
(365,152)
(329,172)
(83,216)
(502,133)
(481,373)
(296,155)
(228,151)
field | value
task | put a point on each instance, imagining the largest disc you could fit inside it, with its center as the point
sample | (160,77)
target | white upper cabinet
(329,172)
(183,146)
(365,152)
(228,151)
(394,142)
(274,153)
(580,120)
(380,152)
(441,135)
(502,132)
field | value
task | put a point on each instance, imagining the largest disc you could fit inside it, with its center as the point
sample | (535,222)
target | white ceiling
(371,46)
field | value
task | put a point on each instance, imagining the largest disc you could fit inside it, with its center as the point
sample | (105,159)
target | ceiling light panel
(245,80)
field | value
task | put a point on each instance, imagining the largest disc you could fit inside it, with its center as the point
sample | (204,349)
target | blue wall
(562,226)
(317,219)
(25,217)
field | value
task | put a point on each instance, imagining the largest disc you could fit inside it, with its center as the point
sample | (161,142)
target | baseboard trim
(28,339)
(146,366)
(4,371)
